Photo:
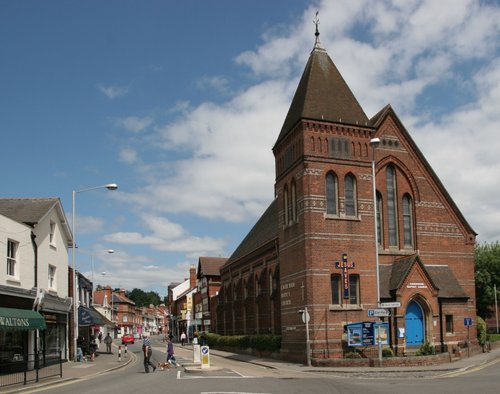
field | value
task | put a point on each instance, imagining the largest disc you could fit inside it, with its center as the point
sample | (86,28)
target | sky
(180,103)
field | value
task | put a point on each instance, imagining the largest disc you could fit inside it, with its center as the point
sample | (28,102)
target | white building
(34,239)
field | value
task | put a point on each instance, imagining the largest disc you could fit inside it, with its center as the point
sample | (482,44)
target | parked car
(128,338)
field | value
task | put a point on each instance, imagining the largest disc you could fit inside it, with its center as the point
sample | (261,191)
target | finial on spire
(316,22)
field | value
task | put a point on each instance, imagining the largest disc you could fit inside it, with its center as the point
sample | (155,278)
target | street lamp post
(374,142)
(109,186)
(109,251)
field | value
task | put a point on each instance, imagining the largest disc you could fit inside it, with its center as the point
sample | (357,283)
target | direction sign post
(379,312)
(395,304)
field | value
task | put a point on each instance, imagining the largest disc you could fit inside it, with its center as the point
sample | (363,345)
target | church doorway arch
(414,323)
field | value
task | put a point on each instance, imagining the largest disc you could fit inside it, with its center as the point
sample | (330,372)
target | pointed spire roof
(322,94)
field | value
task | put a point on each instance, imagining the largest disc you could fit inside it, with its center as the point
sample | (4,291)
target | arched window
(285,205)
(380,227)
(354,289)
(293,216)
(331,194)
(270,283)
(407,221)
(391,206)
(257,286)
(336,284)
(245,289)
(350,195)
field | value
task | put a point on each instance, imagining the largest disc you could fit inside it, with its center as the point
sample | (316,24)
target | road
(231,376)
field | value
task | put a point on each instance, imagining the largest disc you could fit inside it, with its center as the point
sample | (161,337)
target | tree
(487,268)
(141,298)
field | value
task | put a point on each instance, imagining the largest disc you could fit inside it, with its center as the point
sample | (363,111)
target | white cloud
(128,155)
(134,123)
(166,236)
(389,52)
(113,92)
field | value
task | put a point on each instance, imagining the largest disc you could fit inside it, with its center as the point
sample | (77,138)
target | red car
(128,338)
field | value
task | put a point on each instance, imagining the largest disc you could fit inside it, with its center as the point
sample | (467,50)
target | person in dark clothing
(108,341)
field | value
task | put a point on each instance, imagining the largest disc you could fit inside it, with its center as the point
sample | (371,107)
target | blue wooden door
(414,321)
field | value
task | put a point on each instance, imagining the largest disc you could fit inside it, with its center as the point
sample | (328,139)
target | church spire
(317,44)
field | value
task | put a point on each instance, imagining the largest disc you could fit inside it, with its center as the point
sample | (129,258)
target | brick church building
(315,246)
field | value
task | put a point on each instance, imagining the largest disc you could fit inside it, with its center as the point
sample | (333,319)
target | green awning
(20,319)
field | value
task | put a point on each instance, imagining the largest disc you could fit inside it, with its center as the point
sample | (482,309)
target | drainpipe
(35,250)
(441,325)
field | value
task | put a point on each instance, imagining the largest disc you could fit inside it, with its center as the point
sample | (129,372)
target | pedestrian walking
(108,341)
(170,352)
(183,338)
(148,352)
(92,348)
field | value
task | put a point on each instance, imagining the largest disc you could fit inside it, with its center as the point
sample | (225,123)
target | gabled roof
(322,95)
(264,231)
(118,298)
(31,211)
(210,266)
(392,277)
(379,118)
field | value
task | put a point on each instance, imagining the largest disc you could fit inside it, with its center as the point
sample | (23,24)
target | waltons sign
(20,319)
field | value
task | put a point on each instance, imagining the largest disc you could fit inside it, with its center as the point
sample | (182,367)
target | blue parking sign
(467,321)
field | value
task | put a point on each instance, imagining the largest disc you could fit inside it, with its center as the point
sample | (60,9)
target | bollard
(125,351)
(119,353)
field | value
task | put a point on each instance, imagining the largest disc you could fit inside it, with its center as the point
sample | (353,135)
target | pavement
(105,363)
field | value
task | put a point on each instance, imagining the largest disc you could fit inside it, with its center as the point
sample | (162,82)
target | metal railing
(33,369)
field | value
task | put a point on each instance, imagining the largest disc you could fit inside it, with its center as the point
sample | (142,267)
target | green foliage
(353,354)
(487,270)
(141,298)
(494,337)
(426,350)
(387,352)
(482,334)
(269,343)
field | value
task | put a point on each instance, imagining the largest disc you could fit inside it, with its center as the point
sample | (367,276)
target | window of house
(331,194)
(52,277)
(52,235)
(336,283)
(391,206)
(350,195)
(125,318)
(12,268)
(354,289)
(293,204)
(380,227)
(407,221)
(449,324)
(285,205)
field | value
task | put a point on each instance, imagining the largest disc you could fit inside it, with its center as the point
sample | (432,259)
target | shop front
(18,328)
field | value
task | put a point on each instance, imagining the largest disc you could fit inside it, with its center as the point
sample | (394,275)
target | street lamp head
(111,186)
(110,251)
(374,142)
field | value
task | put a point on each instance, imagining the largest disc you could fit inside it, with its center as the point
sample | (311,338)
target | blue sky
(180,103)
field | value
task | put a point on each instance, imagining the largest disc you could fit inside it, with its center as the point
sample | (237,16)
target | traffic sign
(379,312)
(467,321)
(395,304)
